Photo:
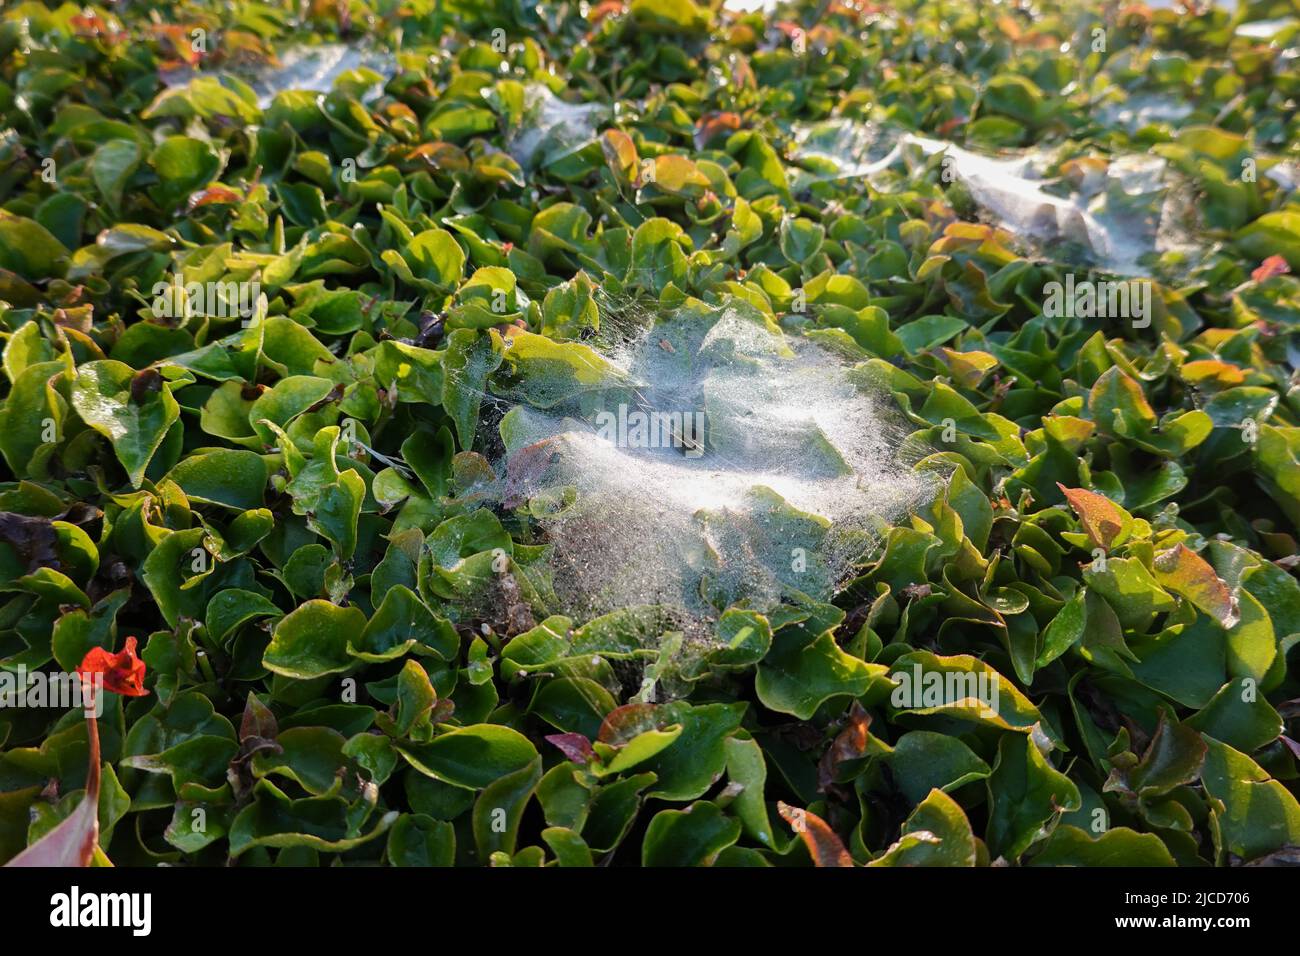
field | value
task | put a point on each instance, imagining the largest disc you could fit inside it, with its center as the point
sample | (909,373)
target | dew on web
(838,149)
(1118,218)
(1143,109)
(315,68)
(691,462)
(552,129)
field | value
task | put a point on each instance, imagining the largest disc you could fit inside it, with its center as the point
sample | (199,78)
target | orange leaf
(947,127)
(606,9)
(1104,521)
(1212,372)
(214,195)
(823,845)
(713,125)
(1185,572)
(446,157)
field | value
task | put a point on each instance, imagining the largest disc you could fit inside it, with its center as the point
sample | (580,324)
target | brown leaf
(849,744)
(33,540)
(258,721)
(144,382)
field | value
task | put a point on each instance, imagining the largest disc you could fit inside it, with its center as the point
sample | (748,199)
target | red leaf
(1272,266)
(947,127)
(623,723)
(574,746)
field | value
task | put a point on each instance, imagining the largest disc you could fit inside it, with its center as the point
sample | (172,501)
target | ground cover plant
(649,433)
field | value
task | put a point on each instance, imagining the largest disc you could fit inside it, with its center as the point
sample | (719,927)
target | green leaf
(311,757)
(111,167)
(747,769)
(797,678)
(326,824)
(184,165)
(1121,846)
(419,840)
(801,239)
(432,260)
(401,624)
(471,757)
(29,249)
(312,640)
(960,686)
(1239,717)
(1025,793)
(691,837)
(635,751)
(230,609)
(923,760)
(688,767)
(1065,630)
(936,834)
(1130,590)
(1253,814)
(1252,645)
(131,411)
(500,807)
(469,359)
(233,479)
(569,848)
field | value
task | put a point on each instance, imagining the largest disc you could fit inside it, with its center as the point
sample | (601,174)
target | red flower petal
(123,672)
